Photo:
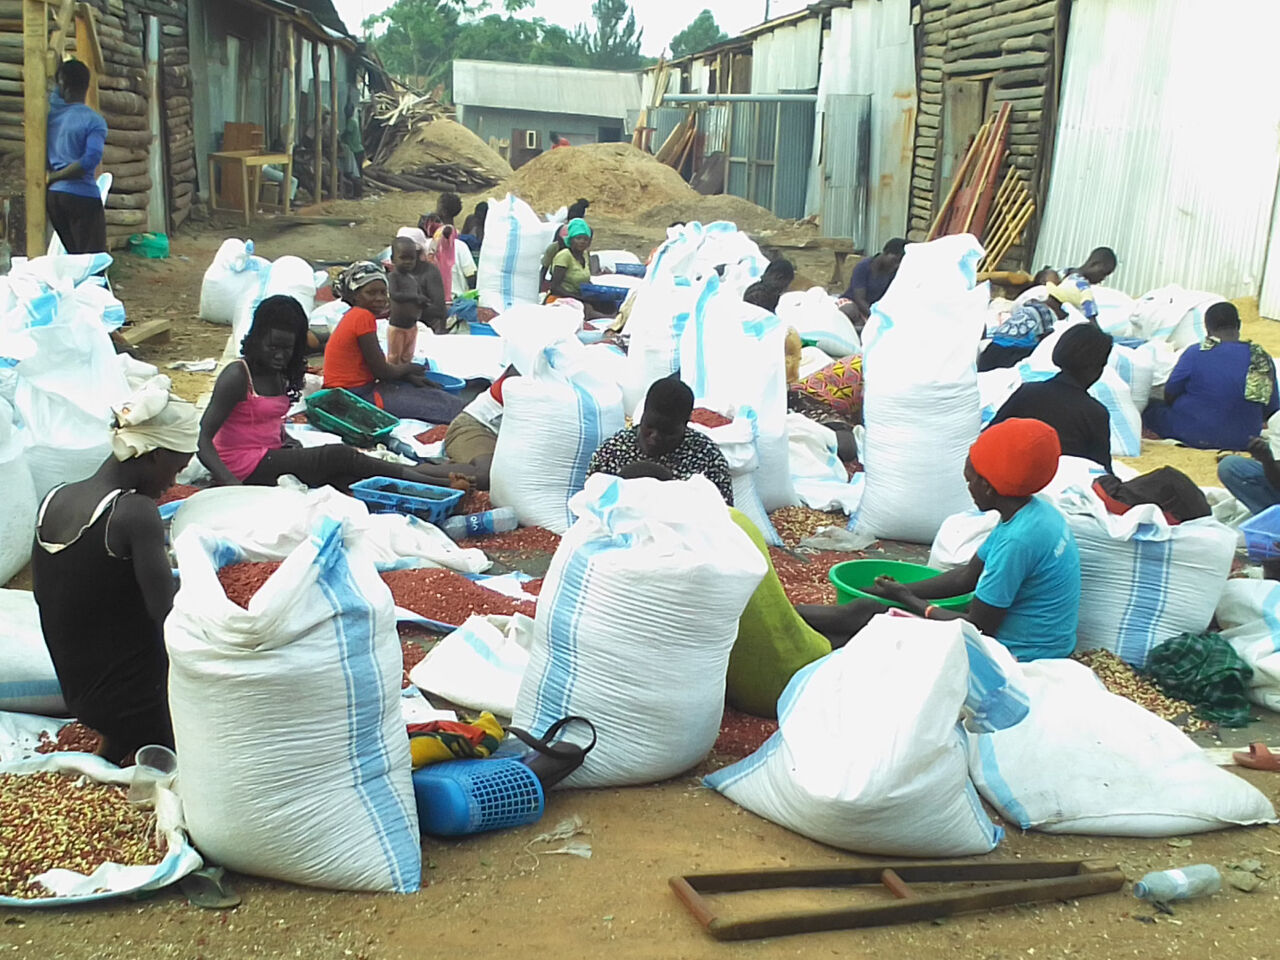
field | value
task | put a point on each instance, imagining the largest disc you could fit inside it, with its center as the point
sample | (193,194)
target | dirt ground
(484,899)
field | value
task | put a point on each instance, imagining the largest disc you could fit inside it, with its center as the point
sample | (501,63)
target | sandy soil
(485,900)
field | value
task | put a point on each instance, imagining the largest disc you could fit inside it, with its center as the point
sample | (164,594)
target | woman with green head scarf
(571,267)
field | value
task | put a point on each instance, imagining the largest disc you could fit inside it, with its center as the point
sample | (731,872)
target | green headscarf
(577,228)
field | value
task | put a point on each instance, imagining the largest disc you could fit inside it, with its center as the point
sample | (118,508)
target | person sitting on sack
(102,579)
(1222,390)
(1027,324)
(354,359)
(870,281)
(1082,423)
(242,435)
(1025,577)
(662,446)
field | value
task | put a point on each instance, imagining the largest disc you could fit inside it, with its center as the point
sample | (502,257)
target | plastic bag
(479,665)
(234,272)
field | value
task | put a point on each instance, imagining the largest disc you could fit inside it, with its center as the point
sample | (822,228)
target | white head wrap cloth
(153,419)
(417,236)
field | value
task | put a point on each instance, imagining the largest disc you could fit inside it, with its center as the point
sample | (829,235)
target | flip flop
(1258,758)
(208,888)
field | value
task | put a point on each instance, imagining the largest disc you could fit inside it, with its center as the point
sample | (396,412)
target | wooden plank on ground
(147,330)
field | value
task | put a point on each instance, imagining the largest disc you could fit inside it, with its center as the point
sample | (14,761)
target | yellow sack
(773,641)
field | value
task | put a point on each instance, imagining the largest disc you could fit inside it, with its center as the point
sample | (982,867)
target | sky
(660,19)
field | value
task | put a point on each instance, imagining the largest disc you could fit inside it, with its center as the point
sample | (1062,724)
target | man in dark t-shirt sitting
(1063,402)
(870,281)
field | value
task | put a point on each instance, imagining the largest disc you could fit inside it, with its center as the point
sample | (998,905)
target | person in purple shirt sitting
(77,135)
(870,281)
(1221,391)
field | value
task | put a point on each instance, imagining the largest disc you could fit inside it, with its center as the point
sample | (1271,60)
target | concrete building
(526,102)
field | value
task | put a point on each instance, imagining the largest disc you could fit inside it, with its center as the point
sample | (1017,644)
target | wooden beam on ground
(35,116)
(147,330)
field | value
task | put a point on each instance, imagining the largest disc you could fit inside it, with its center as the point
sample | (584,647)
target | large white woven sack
(515,239)
(234,272)
(920,391)
(1172,314)
(1087,761)
(637,616)
(1249,615)
(1142,580)
(663,308)
(554,418)
(28,682)
(292,752)
(18,521)
(814,315)
(733,357)
(899,786)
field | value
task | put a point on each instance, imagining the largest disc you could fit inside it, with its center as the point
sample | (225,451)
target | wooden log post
(35,116)
(333,121)
(317,137)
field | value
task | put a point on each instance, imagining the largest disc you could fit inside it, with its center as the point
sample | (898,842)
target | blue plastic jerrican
(460,797)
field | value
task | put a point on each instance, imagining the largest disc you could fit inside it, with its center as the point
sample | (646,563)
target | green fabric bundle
(1205,670)
(773,641)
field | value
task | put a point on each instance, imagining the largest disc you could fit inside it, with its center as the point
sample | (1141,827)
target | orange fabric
(344,364)
(1018,457)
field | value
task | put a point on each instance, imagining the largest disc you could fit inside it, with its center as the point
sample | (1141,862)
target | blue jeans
(1247,481)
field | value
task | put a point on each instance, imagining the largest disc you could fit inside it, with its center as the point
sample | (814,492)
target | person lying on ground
(1082,423)
(1222,390)
(417,294)
(102,580)
(1026,575)
(473,434)
(870,281)
(1027,324)
(571,268)
(242,435)
(354,360)
(663,443)
(775,281)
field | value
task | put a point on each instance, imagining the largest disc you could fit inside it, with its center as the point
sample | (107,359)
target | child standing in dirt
(416,293)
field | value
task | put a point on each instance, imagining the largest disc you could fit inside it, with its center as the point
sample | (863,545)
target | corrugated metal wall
(846,166)
(870,50)
(1167,146)
(1269,298)
(786,60)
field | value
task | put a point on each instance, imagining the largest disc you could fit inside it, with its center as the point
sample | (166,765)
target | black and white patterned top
(697,453)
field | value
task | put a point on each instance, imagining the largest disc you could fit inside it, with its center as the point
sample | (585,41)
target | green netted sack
(773,642)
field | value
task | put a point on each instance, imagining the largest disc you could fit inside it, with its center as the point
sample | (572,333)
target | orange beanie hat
(1017,457)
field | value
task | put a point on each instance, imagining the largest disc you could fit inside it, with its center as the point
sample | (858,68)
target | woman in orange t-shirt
(355,360)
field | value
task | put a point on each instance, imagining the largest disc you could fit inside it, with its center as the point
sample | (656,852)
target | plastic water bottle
(1201,880)
(483,524)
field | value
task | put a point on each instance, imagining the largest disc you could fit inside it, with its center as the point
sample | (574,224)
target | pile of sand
(748,217)
(444,141)
(616,177)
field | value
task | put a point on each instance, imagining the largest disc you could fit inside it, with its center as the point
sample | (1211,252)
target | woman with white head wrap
(102,577)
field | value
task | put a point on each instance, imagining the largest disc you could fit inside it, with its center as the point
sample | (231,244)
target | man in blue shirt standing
(77,135)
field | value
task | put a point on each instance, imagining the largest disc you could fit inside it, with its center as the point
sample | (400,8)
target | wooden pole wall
(317,139)
(333,121)
(35,117)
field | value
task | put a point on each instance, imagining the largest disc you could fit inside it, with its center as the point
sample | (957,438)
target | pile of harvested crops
(616,177)
(1122,680)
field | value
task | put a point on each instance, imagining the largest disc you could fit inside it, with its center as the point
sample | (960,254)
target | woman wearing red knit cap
(1025,577)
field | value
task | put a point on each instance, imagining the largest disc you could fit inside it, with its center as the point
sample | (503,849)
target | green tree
(704,32)
(615,42)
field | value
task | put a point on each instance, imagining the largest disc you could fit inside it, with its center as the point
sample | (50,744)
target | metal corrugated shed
(1167,147)
(869,50)
(785,60)
(538,88)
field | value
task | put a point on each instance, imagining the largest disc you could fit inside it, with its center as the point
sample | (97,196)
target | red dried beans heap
(434,435)
(75,737)
(708,418)
(806,581)
(449,597)
(241,581)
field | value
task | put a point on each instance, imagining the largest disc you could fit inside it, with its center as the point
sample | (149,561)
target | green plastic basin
(854,578)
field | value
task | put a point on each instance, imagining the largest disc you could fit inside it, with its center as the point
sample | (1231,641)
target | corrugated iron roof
(547,89)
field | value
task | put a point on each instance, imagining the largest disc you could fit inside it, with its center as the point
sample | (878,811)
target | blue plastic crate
(629,269)
(482,329)
(387,495)
(1262,535)
(460,797)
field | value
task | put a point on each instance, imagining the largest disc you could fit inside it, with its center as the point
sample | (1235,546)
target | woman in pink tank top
(242,435)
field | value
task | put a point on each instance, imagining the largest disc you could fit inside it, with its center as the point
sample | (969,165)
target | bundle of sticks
(392,120)
(1009,217)
(675,151)
(433,176)
(969,201)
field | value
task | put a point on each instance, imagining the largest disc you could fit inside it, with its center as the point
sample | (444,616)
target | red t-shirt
(344,364)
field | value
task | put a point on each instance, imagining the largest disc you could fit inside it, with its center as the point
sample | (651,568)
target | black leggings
(339,465)
(122,736)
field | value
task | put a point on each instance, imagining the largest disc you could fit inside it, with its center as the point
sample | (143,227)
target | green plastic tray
(355,420)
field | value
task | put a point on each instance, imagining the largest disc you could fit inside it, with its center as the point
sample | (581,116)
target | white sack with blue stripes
(554,418)
(515,239)
(28,682)
(637,616)
(1087,761)
(1249,614)
(292,752)
(871,754)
